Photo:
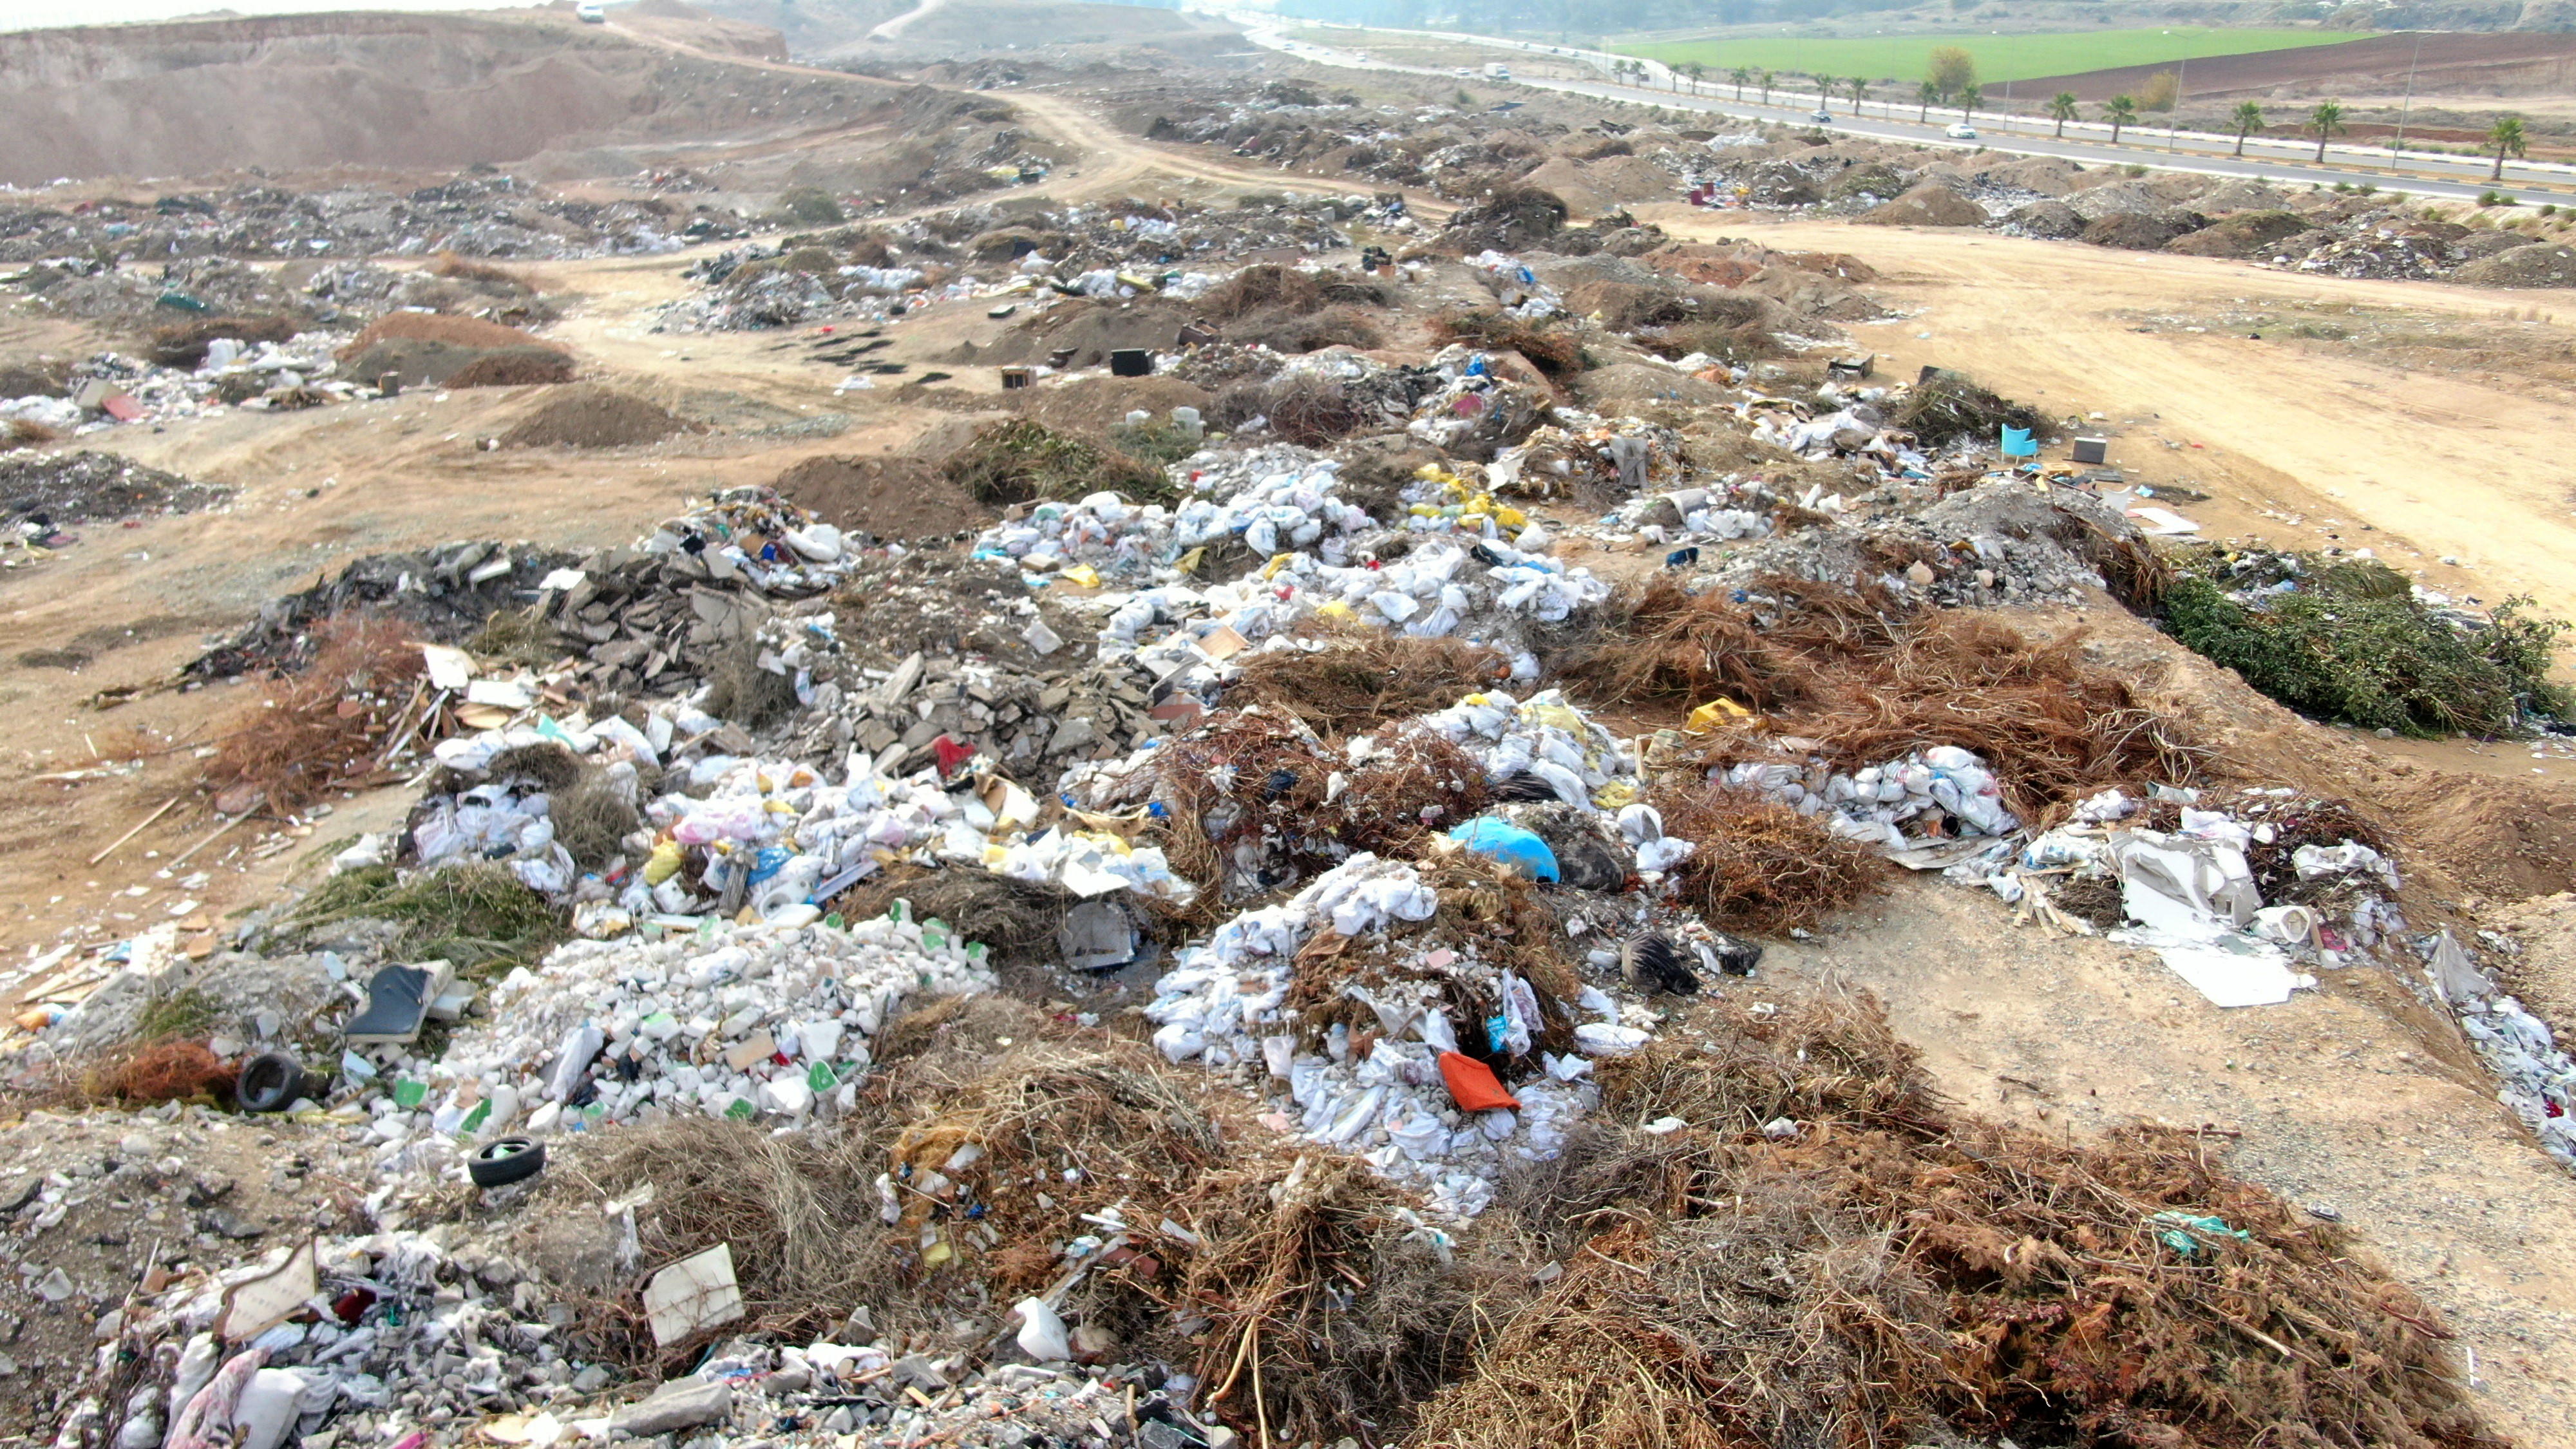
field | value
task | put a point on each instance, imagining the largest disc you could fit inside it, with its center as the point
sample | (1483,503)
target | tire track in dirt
(2447,464)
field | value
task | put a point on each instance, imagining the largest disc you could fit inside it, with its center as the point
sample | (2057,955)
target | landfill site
(1009,723)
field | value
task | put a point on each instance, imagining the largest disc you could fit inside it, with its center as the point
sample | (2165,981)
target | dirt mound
(591,416)
(1628,384)
(2244,194)
(2541,264)
(890,497)
(2044,174)
(1095,404)
(97,488)
(2544,975)
(360,89)
(45,377)
(2139,231)
(2050,220)
(431,327)
(1926,206)
(425,362)
(2244,236)
(1092,329)
(1514,218)
(2503,839)
(183,344)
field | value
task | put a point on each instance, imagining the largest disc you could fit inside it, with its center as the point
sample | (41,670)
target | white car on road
(1961,131)
(1821,116)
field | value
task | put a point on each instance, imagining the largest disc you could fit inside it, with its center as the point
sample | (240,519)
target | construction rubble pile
(482,216)
(1335,848)
(879,273)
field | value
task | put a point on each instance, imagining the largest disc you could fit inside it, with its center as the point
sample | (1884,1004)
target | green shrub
(2343,648)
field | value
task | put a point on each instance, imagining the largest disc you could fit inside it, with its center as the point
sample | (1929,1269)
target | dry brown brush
(1864,680)
(1894,1262)
(1363,678)
(327,725)
(1760,866)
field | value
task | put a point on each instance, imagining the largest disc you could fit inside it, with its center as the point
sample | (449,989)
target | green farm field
(1999,57)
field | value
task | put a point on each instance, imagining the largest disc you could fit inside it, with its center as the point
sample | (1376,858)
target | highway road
(2013,135)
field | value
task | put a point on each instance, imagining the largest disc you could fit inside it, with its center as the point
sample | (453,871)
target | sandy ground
(2419,466)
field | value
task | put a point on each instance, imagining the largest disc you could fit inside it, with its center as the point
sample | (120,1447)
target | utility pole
(2400,143)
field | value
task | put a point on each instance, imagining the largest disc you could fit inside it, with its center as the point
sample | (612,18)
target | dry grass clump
(169,1071)
(1309,332)
(1760,866)
(322,727)
(1288,309)
(1016,920)
(183,344)
(513,367)
(1300,408)
(739,689)
(1656,640)
(2053,727)
(25,433)
(1363,678)
(1251,794)
(798,1210)
(1896,1263)
(1550,349)
(1946,406)
(593,817)
(464,269)
(1868,681)
(434,327)
(1018,461)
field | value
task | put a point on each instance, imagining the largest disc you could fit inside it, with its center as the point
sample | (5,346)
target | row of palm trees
(2325,122)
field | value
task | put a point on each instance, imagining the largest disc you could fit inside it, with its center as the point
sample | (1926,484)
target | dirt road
(2417,466)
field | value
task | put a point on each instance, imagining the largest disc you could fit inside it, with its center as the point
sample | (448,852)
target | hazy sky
(34,14)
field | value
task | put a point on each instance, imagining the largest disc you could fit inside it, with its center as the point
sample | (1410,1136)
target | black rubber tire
(269,1082)
(505,1160)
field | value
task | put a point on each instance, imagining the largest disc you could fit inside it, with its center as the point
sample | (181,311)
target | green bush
(2345,649)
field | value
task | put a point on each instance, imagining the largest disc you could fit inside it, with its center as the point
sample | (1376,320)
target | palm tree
(2061,109)
(1859,88)
(1742,76)
(2506,135)
(2327,121)
(1694,70)
(1768,80)
(2119,111)
(2248,117)
(1924,96)
(1971,96)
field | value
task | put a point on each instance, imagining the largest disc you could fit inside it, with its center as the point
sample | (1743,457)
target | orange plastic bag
(1472,1084)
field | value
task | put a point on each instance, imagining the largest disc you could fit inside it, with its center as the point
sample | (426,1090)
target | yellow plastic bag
(1083,576)
(1717,714)
(663,863)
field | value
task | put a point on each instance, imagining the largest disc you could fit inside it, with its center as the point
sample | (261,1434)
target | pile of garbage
(768,1021)
(1940,797)
(1410,1102)
(2004,539)
(2232,898)
(481,216)
(755,287)
(41,493)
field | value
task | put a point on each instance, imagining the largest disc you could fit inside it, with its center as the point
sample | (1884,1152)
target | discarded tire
(506,1160)
(270,1082)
